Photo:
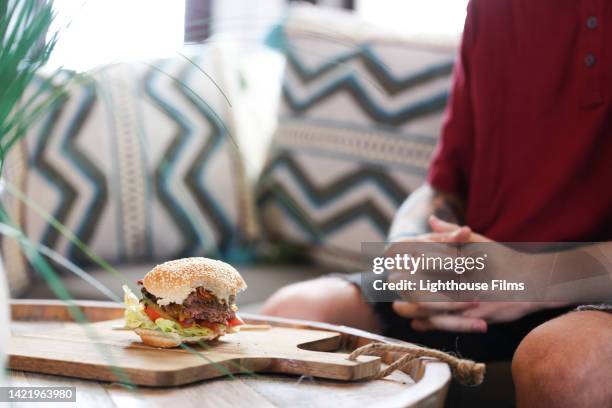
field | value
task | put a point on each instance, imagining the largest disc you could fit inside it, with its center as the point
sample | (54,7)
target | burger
(185,301)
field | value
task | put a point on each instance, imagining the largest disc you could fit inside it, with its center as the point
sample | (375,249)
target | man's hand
(439,226)
(445,316)
(442,315)
(443,232)
(501,312)
(460,316)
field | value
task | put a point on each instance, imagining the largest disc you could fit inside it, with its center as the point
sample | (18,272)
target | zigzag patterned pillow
(360,116)
(138,164)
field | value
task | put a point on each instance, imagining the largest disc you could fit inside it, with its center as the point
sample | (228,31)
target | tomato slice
(152,313)
(235,321)
(187,323)
(210,325)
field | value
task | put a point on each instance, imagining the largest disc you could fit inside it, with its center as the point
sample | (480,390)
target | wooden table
(423,384)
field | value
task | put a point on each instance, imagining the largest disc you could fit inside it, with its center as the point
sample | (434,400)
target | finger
(412,239)
(409,310)
(457,232)
(413,310)
(451,323)
(461,234)
(447,306)
(438,225)
(479,238)
(421,325)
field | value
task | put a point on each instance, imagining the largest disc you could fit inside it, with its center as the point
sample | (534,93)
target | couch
(280,160)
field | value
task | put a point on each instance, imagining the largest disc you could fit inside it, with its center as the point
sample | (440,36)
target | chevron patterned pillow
(360,117)
(138,164)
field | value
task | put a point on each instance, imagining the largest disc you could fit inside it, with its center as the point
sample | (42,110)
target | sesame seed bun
(173,281)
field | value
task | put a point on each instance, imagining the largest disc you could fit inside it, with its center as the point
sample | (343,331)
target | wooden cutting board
(91,354)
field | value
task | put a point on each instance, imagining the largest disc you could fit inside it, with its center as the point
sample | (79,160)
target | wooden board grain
(101,353)
(422,384)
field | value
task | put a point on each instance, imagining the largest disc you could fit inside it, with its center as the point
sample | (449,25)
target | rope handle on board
(467,372)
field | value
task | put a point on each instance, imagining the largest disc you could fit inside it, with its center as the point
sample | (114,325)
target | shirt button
(592,23)
(589,60)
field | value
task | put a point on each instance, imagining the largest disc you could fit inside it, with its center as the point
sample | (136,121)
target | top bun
(173,281)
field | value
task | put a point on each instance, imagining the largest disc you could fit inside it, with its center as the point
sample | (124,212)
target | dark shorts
(497,344)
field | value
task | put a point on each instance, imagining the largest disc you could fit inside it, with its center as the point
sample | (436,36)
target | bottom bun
(157,338)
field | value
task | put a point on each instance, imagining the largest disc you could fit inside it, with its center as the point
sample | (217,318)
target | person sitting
(525,155)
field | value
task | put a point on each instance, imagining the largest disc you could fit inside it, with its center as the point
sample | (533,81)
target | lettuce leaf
(134,312)
(170,326)
(135,317)
(167,326)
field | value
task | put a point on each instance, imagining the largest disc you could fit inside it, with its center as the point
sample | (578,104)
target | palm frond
(24,49)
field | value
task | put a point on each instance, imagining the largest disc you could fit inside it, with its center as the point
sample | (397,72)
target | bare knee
(303,300)
(331,300)
(564,362)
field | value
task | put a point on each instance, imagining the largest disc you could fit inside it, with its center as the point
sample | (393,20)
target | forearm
(413,215)
(570,274)
(582,274)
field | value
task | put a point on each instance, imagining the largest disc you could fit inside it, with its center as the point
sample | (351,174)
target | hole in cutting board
(329,344)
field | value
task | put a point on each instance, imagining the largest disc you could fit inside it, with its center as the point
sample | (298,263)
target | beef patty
(200,306)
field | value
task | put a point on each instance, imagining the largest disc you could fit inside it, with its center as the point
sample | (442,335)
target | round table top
(425,383)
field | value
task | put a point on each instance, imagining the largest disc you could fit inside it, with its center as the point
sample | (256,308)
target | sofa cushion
(360,117)
(137,161)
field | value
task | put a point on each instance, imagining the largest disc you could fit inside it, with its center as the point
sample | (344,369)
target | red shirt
(527,140)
